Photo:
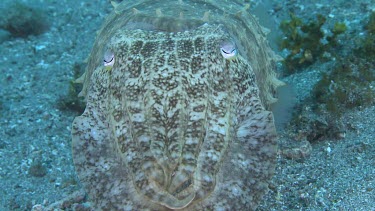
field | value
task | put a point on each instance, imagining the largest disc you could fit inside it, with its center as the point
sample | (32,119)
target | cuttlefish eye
(109,59)
(228,49)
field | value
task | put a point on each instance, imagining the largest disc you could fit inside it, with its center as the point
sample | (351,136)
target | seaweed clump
(307,42)
(350,84)
(37,168)
(22,20)
(367,46)
(71,101)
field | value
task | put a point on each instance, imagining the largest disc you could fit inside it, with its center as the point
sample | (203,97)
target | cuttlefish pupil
(232,52)
(106,62)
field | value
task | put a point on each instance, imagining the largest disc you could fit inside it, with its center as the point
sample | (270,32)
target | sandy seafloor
(35,73)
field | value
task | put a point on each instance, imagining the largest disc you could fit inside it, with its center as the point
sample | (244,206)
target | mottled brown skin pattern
(174,125)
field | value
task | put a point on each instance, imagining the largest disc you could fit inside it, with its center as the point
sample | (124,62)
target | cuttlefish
(178,108)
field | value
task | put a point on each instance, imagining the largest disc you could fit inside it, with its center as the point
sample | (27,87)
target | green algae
(37,168)
(348,85)
(306,41)
(367,45)
(71,101)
